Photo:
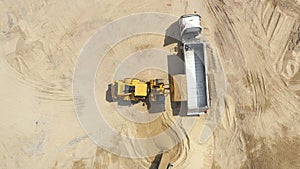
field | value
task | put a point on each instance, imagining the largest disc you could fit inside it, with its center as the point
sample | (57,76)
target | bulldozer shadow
(108,96)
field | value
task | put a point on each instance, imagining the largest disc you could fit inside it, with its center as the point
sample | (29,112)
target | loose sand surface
(253,55)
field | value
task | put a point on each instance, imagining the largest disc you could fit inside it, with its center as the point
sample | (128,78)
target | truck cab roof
(189,15)
(190,27)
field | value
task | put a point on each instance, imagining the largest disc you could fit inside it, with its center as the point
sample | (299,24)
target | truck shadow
(176,66)
(172,34)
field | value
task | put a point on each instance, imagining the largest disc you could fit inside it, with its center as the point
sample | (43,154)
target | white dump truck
(196,85)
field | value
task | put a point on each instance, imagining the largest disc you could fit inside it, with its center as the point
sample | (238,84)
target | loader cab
(129,89)
(190,27)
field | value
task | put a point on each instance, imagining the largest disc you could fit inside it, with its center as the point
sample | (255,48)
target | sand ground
(254,63)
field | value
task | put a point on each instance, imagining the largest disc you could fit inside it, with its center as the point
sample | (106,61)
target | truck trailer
(197,92)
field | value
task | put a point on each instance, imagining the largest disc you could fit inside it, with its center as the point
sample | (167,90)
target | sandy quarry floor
(254,61)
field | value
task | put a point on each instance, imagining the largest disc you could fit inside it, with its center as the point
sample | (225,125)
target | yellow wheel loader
(131,89)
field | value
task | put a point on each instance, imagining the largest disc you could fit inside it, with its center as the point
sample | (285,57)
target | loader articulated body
(138,90)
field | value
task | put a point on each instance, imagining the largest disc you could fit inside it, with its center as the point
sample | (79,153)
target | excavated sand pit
(253,54)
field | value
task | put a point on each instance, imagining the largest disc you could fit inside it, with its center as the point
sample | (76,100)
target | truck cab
(190,27)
